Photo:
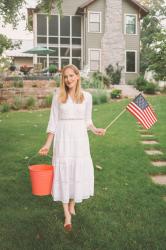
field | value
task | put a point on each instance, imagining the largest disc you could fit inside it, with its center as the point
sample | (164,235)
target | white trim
(136,64)
(94,12)
(136,24)
(89,51)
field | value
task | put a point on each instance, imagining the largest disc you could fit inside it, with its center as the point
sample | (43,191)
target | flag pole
(110,124)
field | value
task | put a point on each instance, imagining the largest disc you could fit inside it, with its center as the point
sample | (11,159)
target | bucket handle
(37,154)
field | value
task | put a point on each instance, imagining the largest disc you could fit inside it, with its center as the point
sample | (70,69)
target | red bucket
(41,179)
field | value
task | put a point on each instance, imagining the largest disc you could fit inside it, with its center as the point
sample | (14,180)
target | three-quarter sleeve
(53,120)
(88,111)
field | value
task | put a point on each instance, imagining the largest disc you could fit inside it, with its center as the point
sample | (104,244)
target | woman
(70,117)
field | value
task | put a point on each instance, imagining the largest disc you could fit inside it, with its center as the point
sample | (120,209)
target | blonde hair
(64,90)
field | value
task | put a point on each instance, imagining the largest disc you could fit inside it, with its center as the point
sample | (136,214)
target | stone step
(153,152)
(159,179)
(159,163)
(149,142)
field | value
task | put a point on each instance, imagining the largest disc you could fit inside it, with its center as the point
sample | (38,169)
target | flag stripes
(142,111)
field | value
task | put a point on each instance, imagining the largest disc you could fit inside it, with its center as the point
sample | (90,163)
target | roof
(144,11)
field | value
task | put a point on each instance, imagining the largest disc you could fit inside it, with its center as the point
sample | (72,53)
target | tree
(6,43)
(10,10)
(153,37)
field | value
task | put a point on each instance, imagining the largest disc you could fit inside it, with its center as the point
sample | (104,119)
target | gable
(143,10)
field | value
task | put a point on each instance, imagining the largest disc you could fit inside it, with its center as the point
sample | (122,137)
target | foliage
(97,80)
(153,36)
(99,96)
(150,88)
(7,43)
(48,101)
(17,103)
(52,68)
(10,11)
(1,85)
(18,82)
(140,83)
(114,73)
(4,64)
(30,102)
(116,93)
(4,107)
(57,80)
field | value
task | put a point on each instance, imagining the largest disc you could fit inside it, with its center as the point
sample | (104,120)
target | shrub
(48,101)
(52,68)
(57,80)
(116,93)
(30,102)
(99,97)
(1,85)
(96,80)
(18,83)
(5,107)
(114,73)
(17,104)
(140,83)
(150,88)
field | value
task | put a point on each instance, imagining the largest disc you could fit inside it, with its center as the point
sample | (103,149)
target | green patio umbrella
(40,51)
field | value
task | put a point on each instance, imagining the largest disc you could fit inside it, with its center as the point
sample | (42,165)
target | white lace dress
(73,167)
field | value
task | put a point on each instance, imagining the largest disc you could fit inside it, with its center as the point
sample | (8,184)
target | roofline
(142,8)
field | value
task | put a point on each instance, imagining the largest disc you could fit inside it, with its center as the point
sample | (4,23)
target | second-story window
(130,24)
(94,22)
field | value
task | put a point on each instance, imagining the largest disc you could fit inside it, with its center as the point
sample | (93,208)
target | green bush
(48,101)
(99,97)
(4,107)
(114,73)
(140,83)
(52,68)
(17,103)
(30,102)
(1,85)
(150,88)
(18,83)
(96,80)
(163,90)
(116,94)
(57,80)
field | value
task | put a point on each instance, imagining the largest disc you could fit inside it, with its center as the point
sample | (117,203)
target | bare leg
(66,214)
(72,206)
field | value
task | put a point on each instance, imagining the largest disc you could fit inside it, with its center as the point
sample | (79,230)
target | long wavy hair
(64,90)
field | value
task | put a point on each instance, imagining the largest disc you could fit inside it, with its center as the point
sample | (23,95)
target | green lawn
(127,212)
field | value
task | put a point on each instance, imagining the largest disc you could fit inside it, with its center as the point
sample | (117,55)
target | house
(93,33)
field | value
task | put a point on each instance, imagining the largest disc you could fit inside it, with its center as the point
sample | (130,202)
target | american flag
(140,108)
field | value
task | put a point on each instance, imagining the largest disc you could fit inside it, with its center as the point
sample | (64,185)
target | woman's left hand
(99,131)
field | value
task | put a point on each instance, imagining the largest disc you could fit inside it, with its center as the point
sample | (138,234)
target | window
(130,22)
(62,34)
(94,59)
(41,24)
(131,61)
(94,22)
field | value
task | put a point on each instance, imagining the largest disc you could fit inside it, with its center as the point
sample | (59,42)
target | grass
(127,211)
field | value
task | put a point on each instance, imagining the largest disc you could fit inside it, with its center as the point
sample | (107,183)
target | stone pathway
(159,179)
(149,142)
(153,152)
(147,139)
(159,163)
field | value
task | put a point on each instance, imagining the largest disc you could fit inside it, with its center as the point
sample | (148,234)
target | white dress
(73,167)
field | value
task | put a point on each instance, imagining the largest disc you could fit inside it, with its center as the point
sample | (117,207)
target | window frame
(94,12)
(89,59)
(136,24)
(136,70)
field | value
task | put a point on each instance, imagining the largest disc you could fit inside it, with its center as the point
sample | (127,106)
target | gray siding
(132,42)
(93,40)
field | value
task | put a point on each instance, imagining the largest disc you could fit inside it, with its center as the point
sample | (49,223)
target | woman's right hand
(43,151)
